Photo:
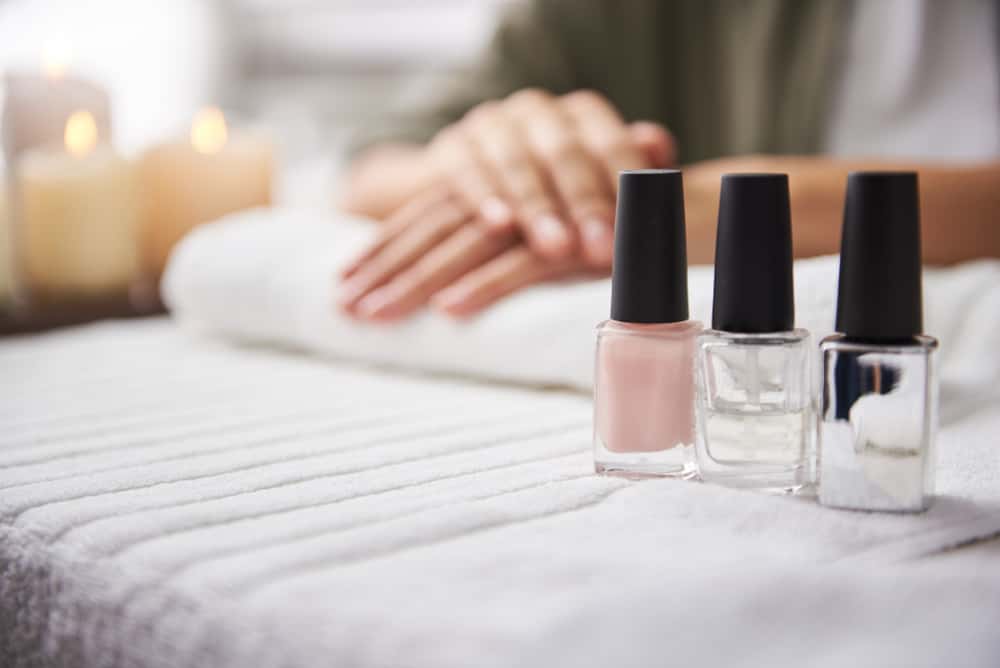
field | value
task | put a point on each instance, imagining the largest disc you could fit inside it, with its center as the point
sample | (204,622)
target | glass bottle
(879,403)
(644,398)
(644,367)
(754,407)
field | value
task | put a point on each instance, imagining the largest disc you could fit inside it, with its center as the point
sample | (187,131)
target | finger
(512,270)
(578,180)
(454,156)
(655,142)
(502,276)
(542,214)
(604,134)
(394,225)
(606,138)
(519,179)
(575,176)
(405,250)
(469,247)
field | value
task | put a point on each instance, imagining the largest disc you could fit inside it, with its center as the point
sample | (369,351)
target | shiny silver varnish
(878,424)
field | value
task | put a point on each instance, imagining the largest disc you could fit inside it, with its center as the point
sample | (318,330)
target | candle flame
(208,132)
(81,133)
(55,59)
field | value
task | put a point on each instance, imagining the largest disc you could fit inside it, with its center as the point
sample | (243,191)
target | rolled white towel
(268,276)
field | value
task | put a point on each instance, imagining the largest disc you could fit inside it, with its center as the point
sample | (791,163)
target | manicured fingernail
(496,212)
(551,233)
(376,303)
(450,298)
(595,229)
(598,238)
(457,306)
(349,291)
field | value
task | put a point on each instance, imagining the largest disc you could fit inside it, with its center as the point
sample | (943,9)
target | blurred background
(309,70)
(126,124)
(298,76)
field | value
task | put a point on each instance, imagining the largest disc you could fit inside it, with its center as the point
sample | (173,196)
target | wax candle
(186,183)
(36,107)
(6,269)
(78,225)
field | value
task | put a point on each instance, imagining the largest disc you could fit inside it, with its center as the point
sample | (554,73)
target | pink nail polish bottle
(644,418)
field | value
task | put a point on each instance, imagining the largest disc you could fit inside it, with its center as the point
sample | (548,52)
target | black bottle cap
(753,256)
(649,276)
(879,295)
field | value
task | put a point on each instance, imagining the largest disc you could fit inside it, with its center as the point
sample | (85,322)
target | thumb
(655,142)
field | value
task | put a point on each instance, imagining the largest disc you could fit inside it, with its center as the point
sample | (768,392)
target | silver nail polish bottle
(879,401)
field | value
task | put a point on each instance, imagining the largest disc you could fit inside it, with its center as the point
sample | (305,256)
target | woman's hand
(434,250)
(523,191)
(547,166)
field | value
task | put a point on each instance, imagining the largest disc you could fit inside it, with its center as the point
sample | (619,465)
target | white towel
(268,277)
(169,500)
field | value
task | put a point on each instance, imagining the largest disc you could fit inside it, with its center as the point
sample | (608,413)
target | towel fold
(185,503)
(268,277)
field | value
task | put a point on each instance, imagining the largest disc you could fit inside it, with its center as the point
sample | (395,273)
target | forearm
(958,204)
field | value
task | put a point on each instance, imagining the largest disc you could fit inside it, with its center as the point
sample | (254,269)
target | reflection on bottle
(878,419)
(878,425)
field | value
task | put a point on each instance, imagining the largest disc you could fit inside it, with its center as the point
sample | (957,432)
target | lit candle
(78,225)
(6,264)
(36,106)
(186,183)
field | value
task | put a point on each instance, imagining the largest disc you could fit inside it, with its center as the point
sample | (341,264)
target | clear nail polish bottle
(879,408)
(644,376)
(754,409)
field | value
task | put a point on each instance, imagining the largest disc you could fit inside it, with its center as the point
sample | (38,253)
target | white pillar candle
(36,107)
(78,225)
(186,183)
(6,260)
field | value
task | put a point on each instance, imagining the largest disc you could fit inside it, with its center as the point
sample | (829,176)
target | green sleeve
(528,49)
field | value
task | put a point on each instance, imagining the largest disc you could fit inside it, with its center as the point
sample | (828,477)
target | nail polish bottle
(754,404)
(879,400)
(644,376)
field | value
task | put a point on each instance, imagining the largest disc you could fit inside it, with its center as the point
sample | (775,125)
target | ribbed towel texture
(168,500)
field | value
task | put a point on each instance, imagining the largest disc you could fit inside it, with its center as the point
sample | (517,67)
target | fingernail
(496,212)
(450,298)
(551,233)
(374,304)
(349,291)
(595,229)
(598,238)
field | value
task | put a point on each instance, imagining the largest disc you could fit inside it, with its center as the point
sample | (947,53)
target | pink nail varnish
(551,232)
(496,212)
(349,291)
(450,298)
(595,229)
(376,302)
(597,239)
(644,378)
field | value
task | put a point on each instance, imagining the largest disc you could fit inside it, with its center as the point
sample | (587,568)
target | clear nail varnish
(879,408)
(644,375)
(754,405)
(754,410)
